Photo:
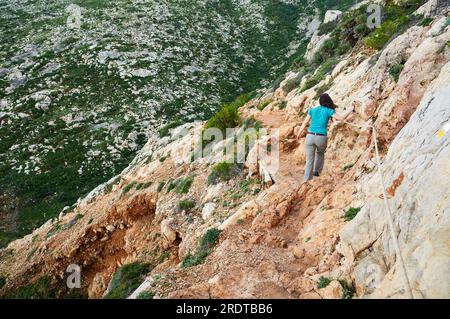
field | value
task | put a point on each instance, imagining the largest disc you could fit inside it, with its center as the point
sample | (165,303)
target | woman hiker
(316,138)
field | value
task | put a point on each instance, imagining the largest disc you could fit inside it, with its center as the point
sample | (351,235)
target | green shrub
(351,213)
(326,28)
(110,185)
(347,290)
(395,71)
(184,185)
(40,289)
(323,70)
(162,159)
(206,244)
(228,115)
(164,255)
(282,105)
(223,172)
(129,187)
(292,83)
(140,186)
(146,295)
(164,131)
(160,186)
(250,122)
(323,282)
(426,22)
(185,205)
(126,279)
(54,230)
(209,239)
(396,17)
(347,167)
(195,259)
(2,281)
(262,105)
(172,184)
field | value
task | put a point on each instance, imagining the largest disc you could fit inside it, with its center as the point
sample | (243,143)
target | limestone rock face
(428,9)
(315,44)
(420,207)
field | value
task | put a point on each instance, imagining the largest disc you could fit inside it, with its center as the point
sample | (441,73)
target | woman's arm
(344,115)
(304,125)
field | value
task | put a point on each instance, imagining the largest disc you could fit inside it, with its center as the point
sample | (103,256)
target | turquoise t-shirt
(320,115)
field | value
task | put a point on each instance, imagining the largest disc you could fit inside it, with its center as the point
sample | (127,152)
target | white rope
(388,211)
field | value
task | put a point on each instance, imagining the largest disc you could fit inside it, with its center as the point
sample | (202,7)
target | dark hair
(325,100)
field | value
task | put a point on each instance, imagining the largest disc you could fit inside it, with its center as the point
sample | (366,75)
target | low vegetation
(146,295)
(222,172)
(263,104)
(250,122)
(126,279)
(185,205)
(171,185)
(2,281)
(228,116)
(160,186)
(129,187)
(320,74)
(165,130)
(40,289)
(136,186)
(426,22)
(323,282)
(184,185)
(206,244)
(395,19)
(351,213)
(352,32)
(347,290)
(395,71)
(54,230)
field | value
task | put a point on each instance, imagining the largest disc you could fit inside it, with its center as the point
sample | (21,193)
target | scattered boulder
(332,16)
(208,210)
(168,232)
(332,291)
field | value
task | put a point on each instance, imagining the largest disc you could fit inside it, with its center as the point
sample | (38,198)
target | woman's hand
(299,133)
(303,127)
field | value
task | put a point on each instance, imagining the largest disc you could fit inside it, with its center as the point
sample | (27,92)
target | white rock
(208,210)
(213,192)
(428,9)
(420,207)
(315,44)
(142,73)
(332,16)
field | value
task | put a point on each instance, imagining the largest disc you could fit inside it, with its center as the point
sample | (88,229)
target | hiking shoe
(316,174)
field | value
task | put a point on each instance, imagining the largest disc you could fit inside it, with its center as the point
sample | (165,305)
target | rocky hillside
(173,225)
(84,84)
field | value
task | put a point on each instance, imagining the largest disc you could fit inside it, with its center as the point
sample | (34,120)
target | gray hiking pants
(315,152)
